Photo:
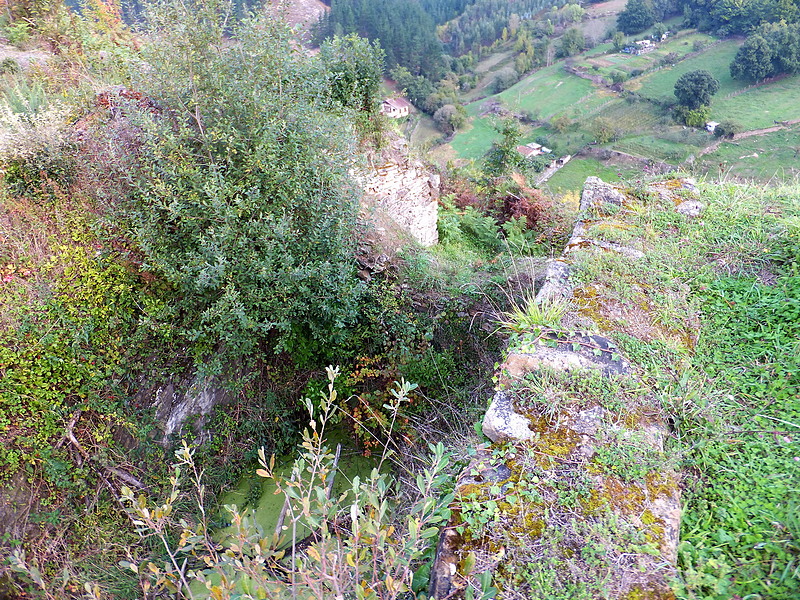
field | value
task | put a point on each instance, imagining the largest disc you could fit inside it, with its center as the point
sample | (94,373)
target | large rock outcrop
(182,401)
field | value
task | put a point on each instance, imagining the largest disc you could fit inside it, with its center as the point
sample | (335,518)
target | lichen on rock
(592,503)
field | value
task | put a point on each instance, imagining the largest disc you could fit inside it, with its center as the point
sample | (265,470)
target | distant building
(533,149)
(711,126)
(395,108)
(640,47)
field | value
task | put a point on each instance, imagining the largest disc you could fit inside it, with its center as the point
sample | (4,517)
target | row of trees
(487,21)
(724,17)
(729,17)
(638,15)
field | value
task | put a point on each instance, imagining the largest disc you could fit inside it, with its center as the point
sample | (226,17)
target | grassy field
(476,138)
(575,172)
(716,59)
(667,147)
(547,92)
(760,107)
(423,130)
(763,158)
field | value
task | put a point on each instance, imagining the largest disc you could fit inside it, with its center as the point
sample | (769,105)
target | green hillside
(642,126)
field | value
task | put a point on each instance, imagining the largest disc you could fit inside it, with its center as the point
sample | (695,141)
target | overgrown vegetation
(200,220)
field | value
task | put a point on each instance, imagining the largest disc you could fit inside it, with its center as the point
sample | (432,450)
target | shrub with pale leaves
(24,135)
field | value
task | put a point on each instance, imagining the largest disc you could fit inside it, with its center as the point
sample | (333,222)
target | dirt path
(746,134)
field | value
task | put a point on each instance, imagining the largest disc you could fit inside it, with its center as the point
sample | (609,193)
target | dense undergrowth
(202,221)
(196,221)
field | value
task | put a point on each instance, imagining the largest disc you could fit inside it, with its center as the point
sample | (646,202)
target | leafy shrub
(727,129)
(504,79)
(469,227)
(670,59)
(17,33)
(618,76)
(63,356)
(9,65)
(693,118)
(239,198)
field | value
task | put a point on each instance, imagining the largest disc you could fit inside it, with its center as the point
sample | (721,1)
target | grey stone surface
(556,284)
(177,402)
(502,422)
(597,193)
(579,352)
(690,208)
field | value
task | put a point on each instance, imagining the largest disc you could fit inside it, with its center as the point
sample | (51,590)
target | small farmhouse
(395,108)
(533,149)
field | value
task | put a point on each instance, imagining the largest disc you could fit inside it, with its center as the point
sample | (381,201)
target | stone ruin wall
(405,189)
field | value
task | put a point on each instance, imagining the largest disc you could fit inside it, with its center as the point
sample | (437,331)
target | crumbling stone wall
(576,435)
(405,189)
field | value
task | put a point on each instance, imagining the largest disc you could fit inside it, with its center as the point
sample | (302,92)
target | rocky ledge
(577,494)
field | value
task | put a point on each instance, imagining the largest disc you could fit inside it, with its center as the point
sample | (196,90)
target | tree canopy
(695,89)
(239,198)
(637,16)
(772,50)
(405,31)
(572,42)
(353,68)
(729,17)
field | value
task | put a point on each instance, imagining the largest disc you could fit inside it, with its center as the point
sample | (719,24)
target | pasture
(765,158)
(717,58)
(760,106)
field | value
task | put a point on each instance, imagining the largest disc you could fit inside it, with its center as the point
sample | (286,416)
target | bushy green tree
(618,40)
(603,129)
(753,60)
(450,117)
(238,196)
(637,16)
(416,87)
(572,42)
(353,68)
(695,88)
(772,50)
(505,78)
(502,157)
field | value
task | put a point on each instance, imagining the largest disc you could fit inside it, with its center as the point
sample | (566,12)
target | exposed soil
(300,13)
(602,9)
(23,57)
